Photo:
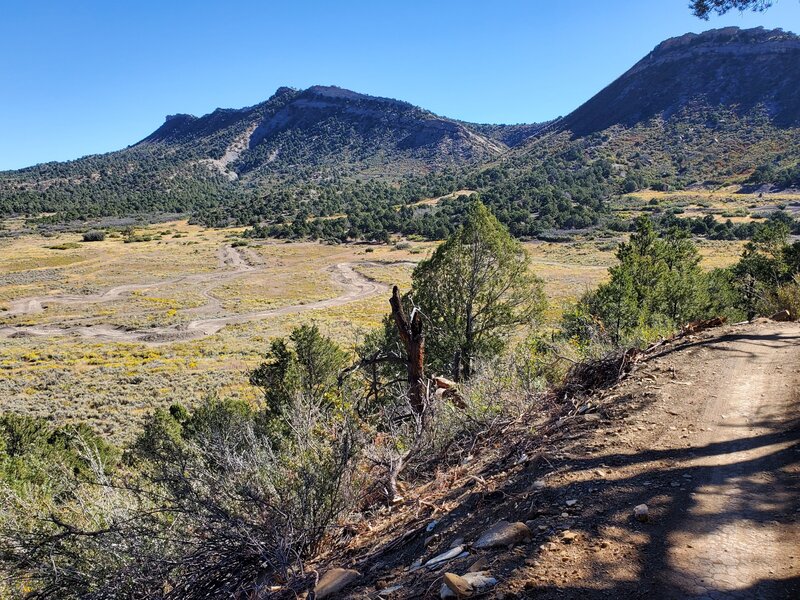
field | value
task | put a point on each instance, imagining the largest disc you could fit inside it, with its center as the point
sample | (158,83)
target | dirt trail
(234,265)
(707,434)
(738,532)
(228,258)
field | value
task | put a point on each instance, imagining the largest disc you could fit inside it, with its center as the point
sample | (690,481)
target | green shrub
(94,235)
(474,291)
(33,451)
(65,246)
(657,286)
(209,507)
(787,297)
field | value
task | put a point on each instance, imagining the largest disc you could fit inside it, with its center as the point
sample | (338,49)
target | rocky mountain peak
(743,69)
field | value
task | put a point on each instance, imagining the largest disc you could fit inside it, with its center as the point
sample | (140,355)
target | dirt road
(230,260)
(737,532)
(707,434)
(232,265)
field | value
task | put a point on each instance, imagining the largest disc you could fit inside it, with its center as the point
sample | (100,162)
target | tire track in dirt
(736,536)
(356,287)
(228,257)
(711,443)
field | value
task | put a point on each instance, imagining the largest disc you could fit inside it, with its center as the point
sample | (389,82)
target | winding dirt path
(738,533)
(228,258)
(356,287)
(707,434)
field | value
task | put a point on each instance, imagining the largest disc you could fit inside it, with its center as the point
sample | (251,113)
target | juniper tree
(474,290)
(657,281)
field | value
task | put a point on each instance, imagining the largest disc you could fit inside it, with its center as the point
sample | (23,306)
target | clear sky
(83,77)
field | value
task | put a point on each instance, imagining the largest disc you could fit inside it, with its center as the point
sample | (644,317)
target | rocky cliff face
(744,69)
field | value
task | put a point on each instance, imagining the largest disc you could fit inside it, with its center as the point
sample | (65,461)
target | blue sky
(86,77)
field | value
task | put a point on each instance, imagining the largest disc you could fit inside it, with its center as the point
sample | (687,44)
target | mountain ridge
(679,69)
(698,108)
(256,133)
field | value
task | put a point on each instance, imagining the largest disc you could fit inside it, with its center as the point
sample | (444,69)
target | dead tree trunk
(414,342)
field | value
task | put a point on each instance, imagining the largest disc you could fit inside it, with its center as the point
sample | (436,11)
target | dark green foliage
(657,283)
(547,190)
(307,363)
(94,235)
(473,292)
(32,451)
(276,376)
(713,229)
(781,177)
(348,211)
(768,269)
(140,182)
(704,8)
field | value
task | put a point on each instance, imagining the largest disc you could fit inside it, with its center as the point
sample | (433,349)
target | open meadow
(104,332)
(728,202)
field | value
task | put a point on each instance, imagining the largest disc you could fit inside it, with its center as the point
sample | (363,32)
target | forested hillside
(331,163)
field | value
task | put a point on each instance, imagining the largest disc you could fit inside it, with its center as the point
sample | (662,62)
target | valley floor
(104,332)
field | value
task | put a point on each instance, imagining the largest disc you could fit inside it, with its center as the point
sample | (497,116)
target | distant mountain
(319,135)
(739,68)
(701,109)
(302,133)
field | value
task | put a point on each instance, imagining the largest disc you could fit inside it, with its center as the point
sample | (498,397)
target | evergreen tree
(307,363)
(658,281)
(682,289)
(474,290)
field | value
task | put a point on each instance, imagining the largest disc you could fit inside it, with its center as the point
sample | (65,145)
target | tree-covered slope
(716,108)
(317,135)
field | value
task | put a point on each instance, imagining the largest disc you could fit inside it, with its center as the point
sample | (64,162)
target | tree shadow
(609,506)
(767,489)
(769,340)
(762,589)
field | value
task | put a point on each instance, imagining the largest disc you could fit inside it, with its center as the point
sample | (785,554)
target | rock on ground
(504,533)
(334,581)
(470,584)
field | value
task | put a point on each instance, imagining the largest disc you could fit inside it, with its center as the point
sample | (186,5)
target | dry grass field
(187,274)
(723,203)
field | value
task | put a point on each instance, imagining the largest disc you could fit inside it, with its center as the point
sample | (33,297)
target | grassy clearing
(113,385)
(723,203)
